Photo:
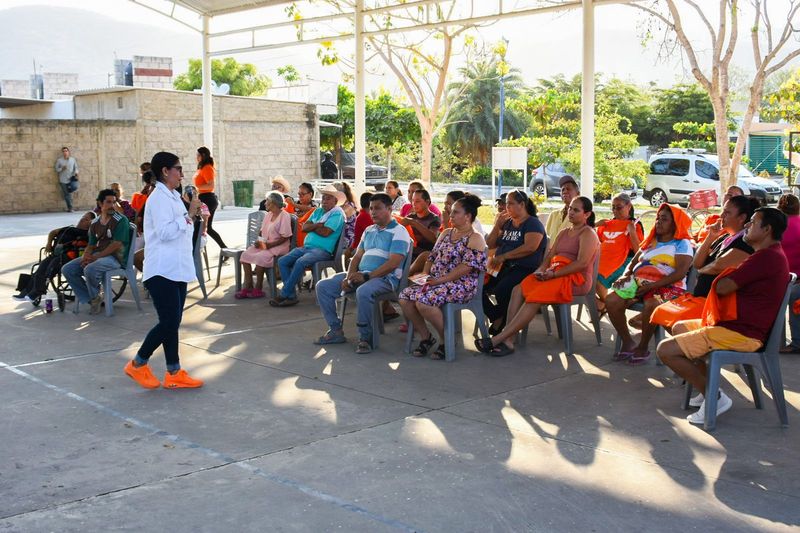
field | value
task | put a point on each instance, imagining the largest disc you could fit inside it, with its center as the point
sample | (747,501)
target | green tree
(680,103)
(243,78)
(784,101)
(474,116)
(289,74)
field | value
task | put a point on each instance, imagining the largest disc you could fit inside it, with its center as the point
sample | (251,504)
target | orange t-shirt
(204,179)
(138,201)
(615,245)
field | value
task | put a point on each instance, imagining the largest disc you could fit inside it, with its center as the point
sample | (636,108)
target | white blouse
(167,237)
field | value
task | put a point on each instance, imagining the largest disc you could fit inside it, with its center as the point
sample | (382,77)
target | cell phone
(190,191)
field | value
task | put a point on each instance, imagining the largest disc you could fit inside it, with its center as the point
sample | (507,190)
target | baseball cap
(566,178)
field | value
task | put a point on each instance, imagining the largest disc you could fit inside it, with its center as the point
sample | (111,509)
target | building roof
(11,101)
(222,7)
(769,128)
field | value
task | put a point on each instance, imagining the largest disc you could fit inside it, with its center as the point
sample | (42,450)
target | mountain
(74,40)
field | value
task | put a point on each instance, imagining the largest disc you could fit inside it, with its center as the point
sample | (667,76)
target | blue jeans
(330,289)
(794,320)
(94,272)
(293,265)
(168,298)
(67,195)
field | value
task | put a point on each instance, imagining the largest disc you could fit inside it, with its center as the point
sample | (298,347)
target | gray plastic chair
(766,361)
(128,272)
(272,272)
(563,314)
(451,313)
(254,221)
(197,254)
(337,263)
(377,307)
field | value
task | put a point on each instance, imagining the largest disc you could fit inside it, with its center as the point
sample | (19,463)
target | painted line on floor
(190,445)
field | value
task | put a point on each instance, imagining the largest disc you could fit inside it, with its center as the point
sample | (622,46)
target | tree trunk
(756,92)
(427,153)
(726,177)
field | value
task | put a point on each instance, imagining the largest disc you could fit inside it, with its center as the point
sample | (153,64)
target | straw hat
(283,182)
(330,190)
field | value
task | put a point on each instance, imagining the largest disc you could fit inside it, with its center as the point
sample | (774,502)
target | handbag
(684,307)
(73,184)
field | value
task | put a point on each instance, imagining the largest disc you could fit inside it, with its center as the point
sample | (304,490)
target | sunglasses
(178,168)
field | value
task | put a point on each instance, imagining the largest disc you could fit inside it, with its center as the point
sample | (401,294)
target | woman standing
(273,241)
(396,194)
(452,273)
(168,267)
(204,181)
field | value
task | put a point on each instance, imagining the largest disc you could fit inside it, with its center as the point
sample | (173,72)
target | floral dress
(446,256)
(350,227)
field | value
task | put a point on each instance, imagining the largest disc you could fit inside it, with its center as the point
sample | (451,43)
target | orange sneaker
(142,375)
(181,380)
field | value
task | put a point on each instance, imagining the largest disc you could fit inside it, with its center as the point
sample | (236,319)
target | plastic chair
(254,221)
(337,263)
(767,362)
(451,313)
(272,272)
(197,255)
(563,314)
(377,307)
(129,272)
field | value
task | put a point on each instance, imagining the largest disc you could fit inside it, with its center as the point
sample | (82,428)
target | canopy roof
(221,7)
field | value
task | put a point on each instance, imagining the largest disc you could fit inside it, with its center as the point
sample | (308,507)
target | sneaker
(95,304)
(287,302)
(181,380)
(142,375)
(21,298)
(697,401)
(723,404)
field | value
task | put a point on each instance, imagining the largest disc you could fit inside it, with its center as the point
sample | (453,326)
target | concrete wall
(56,83)
(254,139)
(15,88)
(152,71)
(58,110)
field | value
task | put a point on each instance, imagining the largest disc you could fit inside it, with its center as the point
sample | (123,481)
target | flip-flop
(501,350)
(484,345)
(639,360)
(390,316)
(622,356)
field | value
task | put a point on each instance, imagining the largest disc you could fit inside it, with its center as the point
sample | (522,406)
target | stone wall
(56,83)
(152,71)
(254,139)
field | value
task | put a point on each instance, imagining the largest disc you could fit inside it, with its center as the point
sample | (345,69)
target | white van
(676,173)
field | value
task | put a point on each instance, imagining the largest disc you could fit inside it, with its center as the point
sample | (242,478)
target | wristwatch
(366,276)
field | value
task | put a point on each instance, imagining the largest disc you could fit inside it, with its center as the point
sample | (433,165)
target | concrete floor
(286,436)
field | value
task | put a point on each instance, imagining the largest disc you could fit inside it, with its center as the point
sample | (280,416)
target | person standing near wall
(66,168)
(204,181)
(168,267)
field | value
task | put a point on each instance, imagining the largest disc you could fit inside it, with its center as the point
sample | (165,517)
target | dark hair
(456,195)
(365,199)
(307,186)
(741,191)
(744,206)
(65,148)
(470,203)
(425,194)
(144,167)
(383,198)
(205,157)
(161,161)
(148,177)
(418,183)
(396,185)
(588,208)
(342,186)
(789,204)
(103,194)
(775,219)
(522,198)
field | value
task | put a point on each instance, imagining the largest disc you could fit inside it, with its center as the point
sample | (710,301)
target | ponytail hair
(205,157)
(470,203)
(587,208)
(523,198)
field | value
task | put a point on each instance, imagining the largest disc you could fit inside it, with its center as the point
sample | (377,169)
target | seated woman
(566,271)
(273,241)
(659,271)
(789,205)
(452,270)
(619,241)
(520,242)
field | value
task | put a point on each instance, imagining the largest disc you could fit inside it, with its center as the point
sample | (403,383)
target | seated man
(758,284)
(323,230)
(376,268)
(109,239)
(63,245)
(423,221)
(123,207)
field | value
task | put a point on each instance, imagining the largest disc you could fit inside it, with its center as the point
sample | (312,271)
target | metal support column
(208,128)
(587,102)
(360,107)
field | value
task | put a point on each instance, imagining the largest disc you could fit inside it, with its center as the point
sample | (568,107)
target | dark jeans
(66,194)
(38,282)
(168,298)
(210,199)
(501,286)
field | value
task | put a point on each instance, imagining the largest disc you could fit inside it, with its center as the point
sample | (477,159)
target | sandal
(622,356)
(439,354)
(331,337)
(363,347)
(484,345)
(636,360)
(424,346)
(501,350)
(390,316)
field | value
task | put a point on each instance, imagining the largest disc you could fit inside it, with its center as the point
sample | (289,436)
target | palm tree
(474,116)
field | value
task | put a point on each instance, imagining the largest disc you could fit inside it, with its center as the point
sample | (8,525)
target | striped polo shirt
(378,243)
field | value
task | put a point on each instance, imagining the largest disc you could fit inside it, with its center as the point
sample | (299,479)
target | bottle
(48,303)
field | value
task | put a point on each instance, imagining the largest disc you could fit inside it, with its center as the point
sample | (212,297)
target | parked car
(545,179)
(376,175)
(676,173)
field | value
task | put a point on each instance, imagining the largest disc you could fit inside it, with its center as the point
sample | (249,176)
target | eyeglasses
(178,168)
(304,193)
(617,207)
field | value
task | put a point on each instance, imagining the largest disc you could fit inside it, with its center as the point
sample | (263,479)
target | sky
(539,46)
